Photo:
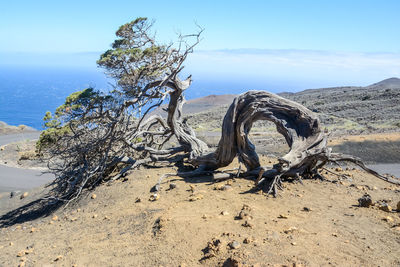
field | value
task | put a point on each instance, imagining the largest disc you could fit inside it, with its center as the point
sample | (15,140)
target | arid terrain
(200,222)
(204,222)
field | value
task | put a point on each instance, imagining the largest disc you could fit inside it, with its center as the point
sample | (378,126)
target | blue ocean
(26,93)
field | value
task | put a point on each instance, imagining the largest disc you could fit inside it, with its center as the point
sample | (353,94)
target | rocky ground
(199,222)
(9,129)
(21,154)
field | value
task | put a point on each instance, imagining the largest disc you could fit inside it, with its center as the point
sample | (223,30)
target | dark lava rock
(365,201)
(232,262)
(172,186)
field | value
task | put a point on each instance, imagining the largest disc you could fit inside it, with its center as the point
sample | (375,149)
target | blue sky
(316,43)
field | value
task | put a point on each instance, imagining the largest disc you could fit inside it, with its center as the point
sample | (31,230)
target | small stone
(247,240)
(307,209)
(375,188)
(204,216)
(359,187)
(388,219)
(335,235)
(232,262)
(281,216)
(299,195)
(137,200)
(398,206)
(196,197)
(247,224)
(385,207)
(338,169)
(226,187)
(93,196)
(224,213)
(154,197)
(55,218)
(365,201)
(11,244)
(234,244)
(172,186)
(24,195)
(73,219)
(218,186)
(21,253)
(291,230)
(21,264)
(33,229)
(192,188)
(59,257)
(242,215)
(94,216)
(293,243)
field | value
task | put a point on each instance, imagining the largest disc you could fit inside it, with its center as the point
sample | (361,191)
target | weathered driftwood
(300,127)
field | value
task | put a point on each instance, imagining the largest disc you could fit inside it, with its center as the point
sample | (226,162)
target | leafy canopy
(136,59)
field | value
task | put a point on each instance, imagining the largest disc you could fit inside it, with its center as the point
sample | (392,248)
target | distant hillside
(9,129)
(387,83)
(352,109)
(334,94)
(200,104)
(208,102)
(373,107)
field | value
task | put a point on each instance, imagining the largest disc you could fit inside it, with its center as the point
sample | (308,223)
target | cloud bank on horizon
(261,69)
(306,68)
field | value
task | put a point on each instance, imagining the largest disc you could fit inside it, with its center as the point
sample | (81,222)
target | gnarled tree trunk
(300,127)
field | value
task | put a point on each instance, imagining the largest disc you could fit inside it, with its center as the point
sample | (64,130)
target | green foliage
(135,58)
(76,100)
(57,125)
(49,137)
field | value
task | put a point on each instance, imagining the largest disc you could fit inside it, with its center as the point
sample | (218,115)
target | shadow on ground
(34,210)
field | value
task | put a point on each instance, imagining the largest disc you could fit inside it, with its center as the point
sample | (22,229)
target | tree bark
(300,127)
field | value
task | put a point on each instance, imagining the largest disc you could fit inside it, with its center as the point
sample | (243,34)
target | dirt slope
(9,129)
(198,222)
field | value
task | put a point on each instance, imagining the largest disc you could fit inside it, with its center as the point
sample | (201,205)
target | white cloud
(321,68)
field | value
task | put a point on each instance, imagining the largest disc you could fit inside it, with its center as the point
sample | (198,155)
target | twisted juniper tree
(97,136)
